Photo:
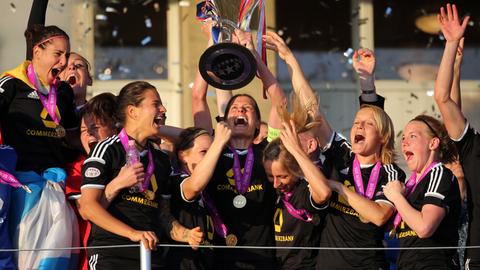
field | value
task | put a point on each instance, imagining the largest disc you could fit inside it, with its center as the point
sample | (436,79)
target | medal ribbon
(301,214)
(9,179)
(220,227)
(150,168)
(245,6)
(410,187)
(49,104)
(372,181)
(242,181)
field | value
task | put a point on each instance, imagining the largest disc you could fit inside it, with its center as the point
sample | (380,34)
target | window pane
(318,32)
(408,42)
(130,39)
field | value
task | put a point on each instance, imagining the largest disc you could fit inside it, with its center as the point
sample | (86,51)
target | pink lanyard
(50,103)
(242,181)
(9,179)
(301,214)
(410,187)
(372,181)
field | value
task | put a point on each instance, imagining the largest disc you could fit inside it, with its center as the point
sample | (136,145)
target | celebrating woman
(429,206)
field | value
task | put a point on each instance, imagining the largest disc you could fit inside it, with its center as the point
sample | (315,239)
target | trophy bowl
(227,66)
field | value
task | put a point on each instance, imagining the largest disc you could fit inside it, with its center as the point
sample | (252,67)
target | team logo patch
(33,95)
(92,172)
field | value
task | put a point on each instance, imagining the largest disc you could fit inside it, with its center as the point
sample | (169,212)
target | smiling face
(364,136)
(192,156)
(282,179)
(150,114)
(50,58)
(92,130)
(242,117)
(77,75)
(418,147)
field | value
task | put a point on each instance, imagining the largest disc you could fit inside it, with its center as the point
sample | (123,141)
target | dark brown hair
(255,107)
(276,151)
(39,35)
(131,94)
(447,152)
(104,108)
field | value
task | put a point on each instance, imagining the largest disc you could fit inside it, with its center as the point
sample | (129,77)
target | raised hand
(244,38)
(275,43)
(222,134)
(459,55)
(364,62)
(289,137)
(450,24)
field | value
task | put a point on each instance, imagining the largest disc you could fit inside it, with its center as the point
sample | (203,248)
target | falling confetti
(111,10)
(399,134)
(413,96)
(114,33)
(348,53)
(146,40)
(87,30)
(101,17)
(156,6)
(388,12)
(441,37)
(13,8)
(148,22)
(147,2)
(125,10)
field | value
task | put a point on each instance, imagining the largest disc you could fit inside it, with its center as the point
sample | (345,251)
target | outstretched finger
(465,22)
(454,13)
(442,14)
(449,12)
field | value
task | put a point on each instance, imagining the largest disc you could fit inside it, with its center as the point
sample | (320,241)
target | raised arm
(453,31)
(37,16)
(455,93)
(319,188)
(192,187)
(301,86)
(271,87)
(364,65)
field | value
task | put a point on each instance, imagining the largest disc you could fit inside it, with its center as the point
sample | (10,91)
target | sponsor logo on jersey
(92,172)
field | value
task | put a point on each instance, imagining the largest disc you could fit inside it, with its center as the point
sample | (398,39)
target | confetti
(87,30)
(148,22)
(125,10)
(101,17)
(13,8)
(413,95)
(348,53)
(114,33)
(388,12)
(111,10)
(441,37)
(147,2)
(430,93)
(190,85)
(471,23)
(156,6)
(184,3)
(146,40)
(280,32)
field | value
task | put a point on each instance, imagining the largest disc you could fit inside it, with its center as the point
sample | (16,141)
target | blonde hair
(385,128)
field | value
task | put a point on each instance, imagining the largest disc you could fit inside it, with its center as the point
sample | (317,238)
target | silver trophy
(227,65)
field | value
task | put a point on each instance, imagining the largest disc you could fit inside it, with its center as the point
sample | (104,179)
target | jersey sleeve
(307,201)
(380,102)
(468,143)
(7,93)
(339,152)
(388,173)
(97,168)
(440,183)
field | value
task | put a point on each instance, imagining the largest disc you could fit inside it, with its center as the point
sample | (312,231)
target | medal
(239,201)
(149,194)
(392,233)
(231,240)
(60,131)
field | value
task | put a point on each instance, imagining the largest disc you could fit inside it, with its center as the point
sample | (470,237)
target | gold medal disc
(231,240)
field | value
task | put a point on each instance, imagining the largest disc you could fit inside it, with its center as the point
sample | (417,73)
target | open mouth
(55,72)
(359,138)
(408,155)
(160,120)
(240,121)
(72,80)
(92,144)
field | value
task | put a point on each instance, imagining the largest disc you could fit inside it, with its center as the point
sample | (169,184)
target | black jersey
(134,209)
(468,146)
(293,232)
(439,187)
(343,227)
(252,224)
(190,214)
(28,128)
